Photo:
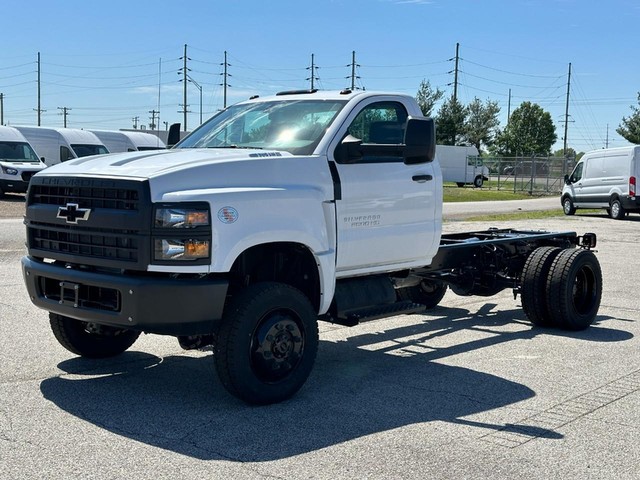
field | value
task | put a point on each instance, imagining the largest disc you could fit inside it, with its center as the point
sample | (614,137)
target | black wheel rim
(584,290)
(277,346)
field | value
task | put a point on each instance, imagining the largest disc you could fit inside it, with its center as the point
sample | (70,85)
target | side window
(381,123)
(65,154)
(577,172)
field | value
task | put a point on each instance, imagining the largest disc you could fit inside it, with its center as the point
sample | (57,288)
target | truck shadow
(366,384)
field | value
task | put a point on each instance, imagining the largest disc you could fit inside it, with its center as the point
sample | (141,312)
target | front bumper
(149,303)
(14,186)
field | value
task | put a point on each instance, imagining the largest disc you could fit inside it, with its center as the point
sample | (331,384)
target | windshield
(86,150)
(295,126)
(17,152)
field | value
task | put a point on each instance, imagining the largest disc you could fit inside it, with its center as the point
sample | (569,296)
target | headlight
(182,233)
(10,170)
(181,217)
(179,249)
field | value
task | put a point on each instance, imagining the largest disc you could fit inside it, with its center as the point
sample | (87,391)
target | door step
(354,317)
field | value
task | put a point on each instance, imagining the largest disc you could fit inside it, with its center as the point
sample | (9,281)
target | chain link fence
(535,175)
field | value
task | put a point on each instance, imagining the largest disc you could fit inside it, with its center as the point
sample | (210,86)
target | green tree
(482,123)
(571,153)
(450,122)
(630,127)
(530,132)
(427,97)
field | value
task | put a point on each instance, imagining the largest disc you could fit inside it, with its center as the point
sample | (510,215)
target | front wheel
(267,343)
(90,339)
(567,206)
(478,181)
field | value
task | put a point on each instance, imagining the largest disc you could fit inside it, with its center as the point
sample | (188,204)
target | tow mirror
(567,181)
(173,136)
(349,150)
(419,140)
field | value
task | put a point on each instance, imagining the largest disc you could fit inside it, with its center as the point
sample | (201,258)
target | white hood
(151,164)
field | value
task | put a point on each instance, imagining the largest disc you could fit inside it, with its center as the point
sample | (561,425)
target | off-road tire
(574,287)
(533,281)
(267,343)
(91,340)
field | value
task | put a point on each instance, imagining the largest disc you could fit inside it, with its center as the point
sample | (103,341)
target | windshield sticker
(227,215)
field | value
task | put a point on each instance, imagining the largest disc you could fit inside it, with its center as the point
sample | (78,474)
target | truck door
(388,213)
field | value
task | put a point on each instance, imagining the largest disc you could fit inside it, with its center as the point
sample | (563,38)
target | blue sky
(108,62)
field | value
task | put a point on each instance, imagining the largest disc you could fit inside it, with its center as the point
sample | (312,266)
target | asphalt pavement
(467,390)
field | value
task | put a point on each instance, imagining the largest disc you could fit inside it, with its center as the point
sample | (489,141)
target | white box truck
(462,165)
(18,161)
(606,178)
(123,141)
(55,145)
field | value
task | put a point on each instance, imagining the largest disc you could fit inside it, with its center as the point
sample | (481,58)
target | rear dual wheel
(561,288)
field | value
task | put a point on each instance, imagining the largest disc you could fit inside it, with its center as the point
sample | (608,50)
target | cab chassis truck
(276,213)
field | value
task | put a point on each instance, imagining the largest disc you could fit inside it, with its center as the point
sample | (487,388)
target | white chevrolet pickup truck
(276,213)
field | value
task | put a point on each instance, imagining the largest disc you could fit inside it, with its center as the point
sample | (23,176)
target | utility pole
(135,122)
(455,76)
(1,108)
(39,109)
(606,144)
(566,114)
(313,69)
(509,108)
(184,70)
(152,125)
(225,75)
(64,113)
(353,66)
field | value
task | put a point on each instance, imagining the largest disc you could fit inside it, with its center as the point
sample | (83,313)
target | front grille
(115,232)
(26,176)
(88,197)
(102,244)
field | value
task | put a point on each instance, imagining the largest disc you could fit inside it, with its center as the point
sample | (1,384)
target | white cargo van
(55,145)
(604,178)
(18,161)
(122,141)
(461,165)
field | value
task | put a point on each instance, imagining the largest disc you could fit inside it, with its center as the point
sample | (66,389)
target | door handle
(422,178)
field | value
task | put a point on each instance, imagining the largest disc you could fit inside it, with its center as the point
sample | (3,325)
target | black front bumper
(149,303)
(14,186)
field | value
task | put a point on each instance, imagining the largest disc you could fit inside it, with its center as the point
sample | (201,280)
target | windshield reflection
(294,126)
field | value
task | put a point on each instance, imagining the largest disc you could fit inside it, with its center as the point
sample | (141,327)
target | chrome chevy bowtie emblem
(71,212)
